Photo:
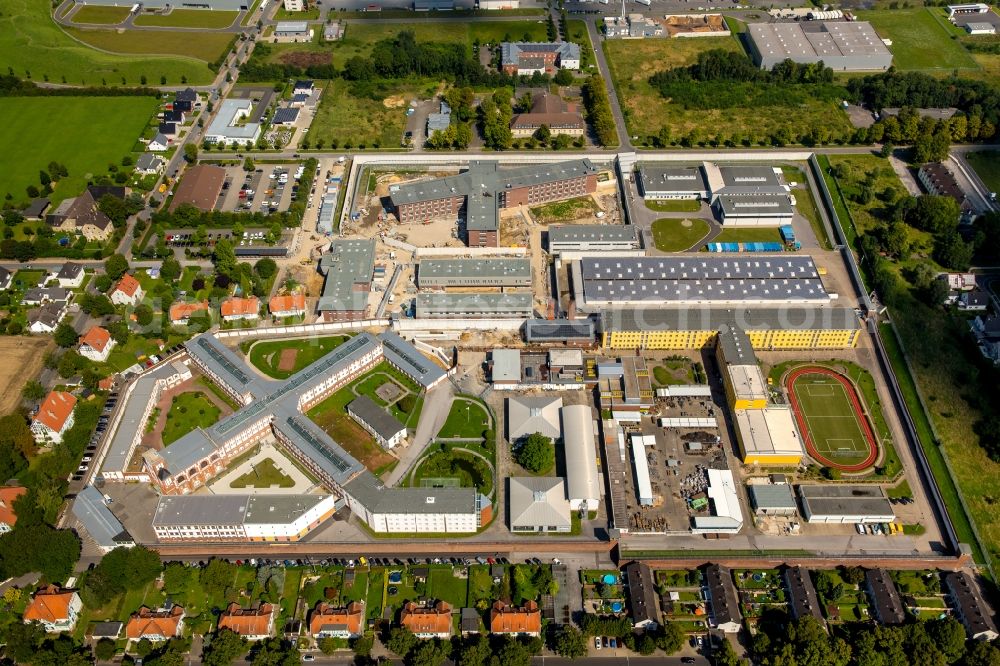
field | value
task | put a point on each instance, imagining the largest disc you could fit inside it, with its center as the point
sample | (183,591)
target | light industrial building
(292,31)
(583,487)
(240,517)
(570,332)
(658,182)
(527,415)
(624,282)
(772,499)
(229,126)
(640,464)
(847,46)
(768,210)
(538,504)
(592,238)
(624,387)
(505,367)
(845,504)
(492,305)
(92,510)
(708,181)
(768,436)
(485,272)
(480,192)
(348,268)
(727,516)
(798,327)
(744,381)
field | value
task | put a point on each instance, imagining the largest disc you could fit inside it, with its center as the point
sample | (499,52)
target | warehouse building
(592,238)
(483,272)
(845,504)
(802,597)
(570,332)
(768,436)
(505,367)
(625,387)
(723,602)
(640,465)
(798,327)
(658,182)
(623,282)
(582,478)
(745,385)
(527,415)
(348,267)
(887,606)
(482,190)
(200,187)
(491,305)
(538,504)
(754,211)
(772,499)
(968,603)
(383,426)
(727,516)
(840,45)
(240,517)
(292,31)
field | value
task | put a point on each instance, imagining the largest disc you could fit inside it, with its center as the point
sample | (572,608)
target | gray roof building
(538,504)
(471,622)
(886,602)
(590,237)
(967,599)
(641,596)
(772,499)
(177,511)
(802,597)
(36,209)
(148,162)
(522,54)
(734,344)
(69,271)
(774,205)
(474,305)
(228,124)
(218,5)
(492,272)
(527,415)
(840,45)
(845,504)
(742,179)
(228,367)
(285,116)
(406,358)
(37,295)
(722,598)
(506,366)
(384,425)
(348,268)
(567,331)
(658,181)
(291,28)
(749,319)
(104,528)
(110,630)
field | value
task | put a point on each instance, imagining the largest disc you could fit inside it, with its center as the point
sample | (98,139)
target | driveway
(437,404)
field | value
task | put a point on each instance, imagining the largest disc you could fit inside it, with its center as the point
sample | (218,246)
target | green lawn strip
(289,594)
(480,586)
(919,42)
(579,34)
(900,490)
(748,235)
(97,15)
(468,418)
(674,235)
(219,393)
(265,355)
(187,412)
(443,585)
(36,133)
(376,592)
(986,164)
(306,15)
(189,18)
(674,205)
(30,41)
(199,46)
(564,211)
(839,205)
(945,482)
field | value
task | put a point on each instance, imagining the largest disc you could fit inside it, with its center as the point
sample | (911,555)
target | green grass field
(101,15)
(187,412)
(675,206)
(189,18)
(748,235)
(467,419)
(264,475)
(30,41)
(564,211)
(38,130)
(919,41)
(201,46)
(673,235)
(453,468)
(833,426)
(987,166)
(266,355)
(336,118)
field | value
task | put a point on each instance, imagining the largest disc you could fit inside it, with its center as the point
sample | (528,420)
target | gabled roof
(187,95)
(148,161)
(326,615)
(247,621)
(128,285)
(50,604)
(287,303)
(427,620)
(180,311)
(240,306)
(146,622)
(96,338)
(69,271)
(55,410)
(8,495)
(161,139)
(506,619)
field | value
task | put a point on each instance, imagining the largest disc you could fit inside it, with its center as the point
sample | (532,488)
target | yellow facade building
(768,436)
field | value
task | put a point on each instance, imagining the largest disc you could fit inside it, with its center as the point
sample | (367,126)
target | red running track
(859,414)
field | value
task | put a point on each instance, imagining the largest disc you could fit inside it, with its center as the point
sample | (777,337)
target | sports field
(831,418)
(283,358)
(83,133)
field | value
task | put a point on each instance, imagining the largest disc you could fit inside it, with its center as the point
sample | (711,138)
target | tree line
(598,107)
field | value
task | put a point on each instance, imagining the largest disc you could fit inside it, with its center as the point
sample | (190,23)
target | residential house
(234,309)
(305,87)
(641,596)
(288,305)
(5,278)
(427,621)
(155,625)
(168,130)
(158,143)
(973,301)
(71,275)
(987,333)
(54,417)
(887,605)
(81,215)
(39,295)
(54,608)
(470,621)
(329,621)
(35,211)
(188,95)
(181,105)
(96,344)
(254,624)
(723,600)
(46,318)
(514,621)
(8,517)
(285,116)
(968,603)
(128,291)
(149,164)
(109,630)
(181,313)
(173,116)
(802,597)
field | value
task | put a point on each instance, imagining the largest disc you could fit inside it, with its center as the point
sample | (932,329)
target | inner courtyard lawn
(187,412)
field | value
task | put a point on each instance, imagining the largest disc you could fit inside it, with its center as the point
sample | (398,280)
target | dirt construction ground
(23,358)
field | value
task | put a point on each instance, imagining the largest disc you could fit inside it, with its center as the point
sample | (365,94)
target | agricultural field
(919,40)
(189,411)
(35,133)
(632,62)
(198,46)
(24,357)
(31,42)
(97,15)
(674,235)
(281,359)
(189,18)
(987,166)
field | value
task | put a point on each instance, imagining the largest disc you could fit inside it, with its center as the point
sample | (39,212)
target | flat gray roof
(772,496)
(824,500)
(181,510)
(581,233)
(776,204)
(226,124)
(91,510)
(657,178)
(367,489)
(380,420)
(348,268)
(435,271)
(506,364)
(802,317)
(819,40)
(736,346)
(558,330)
(462,305)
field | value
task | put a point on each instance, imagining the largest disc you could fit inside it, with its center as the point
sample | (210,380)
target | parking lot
(268,189)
